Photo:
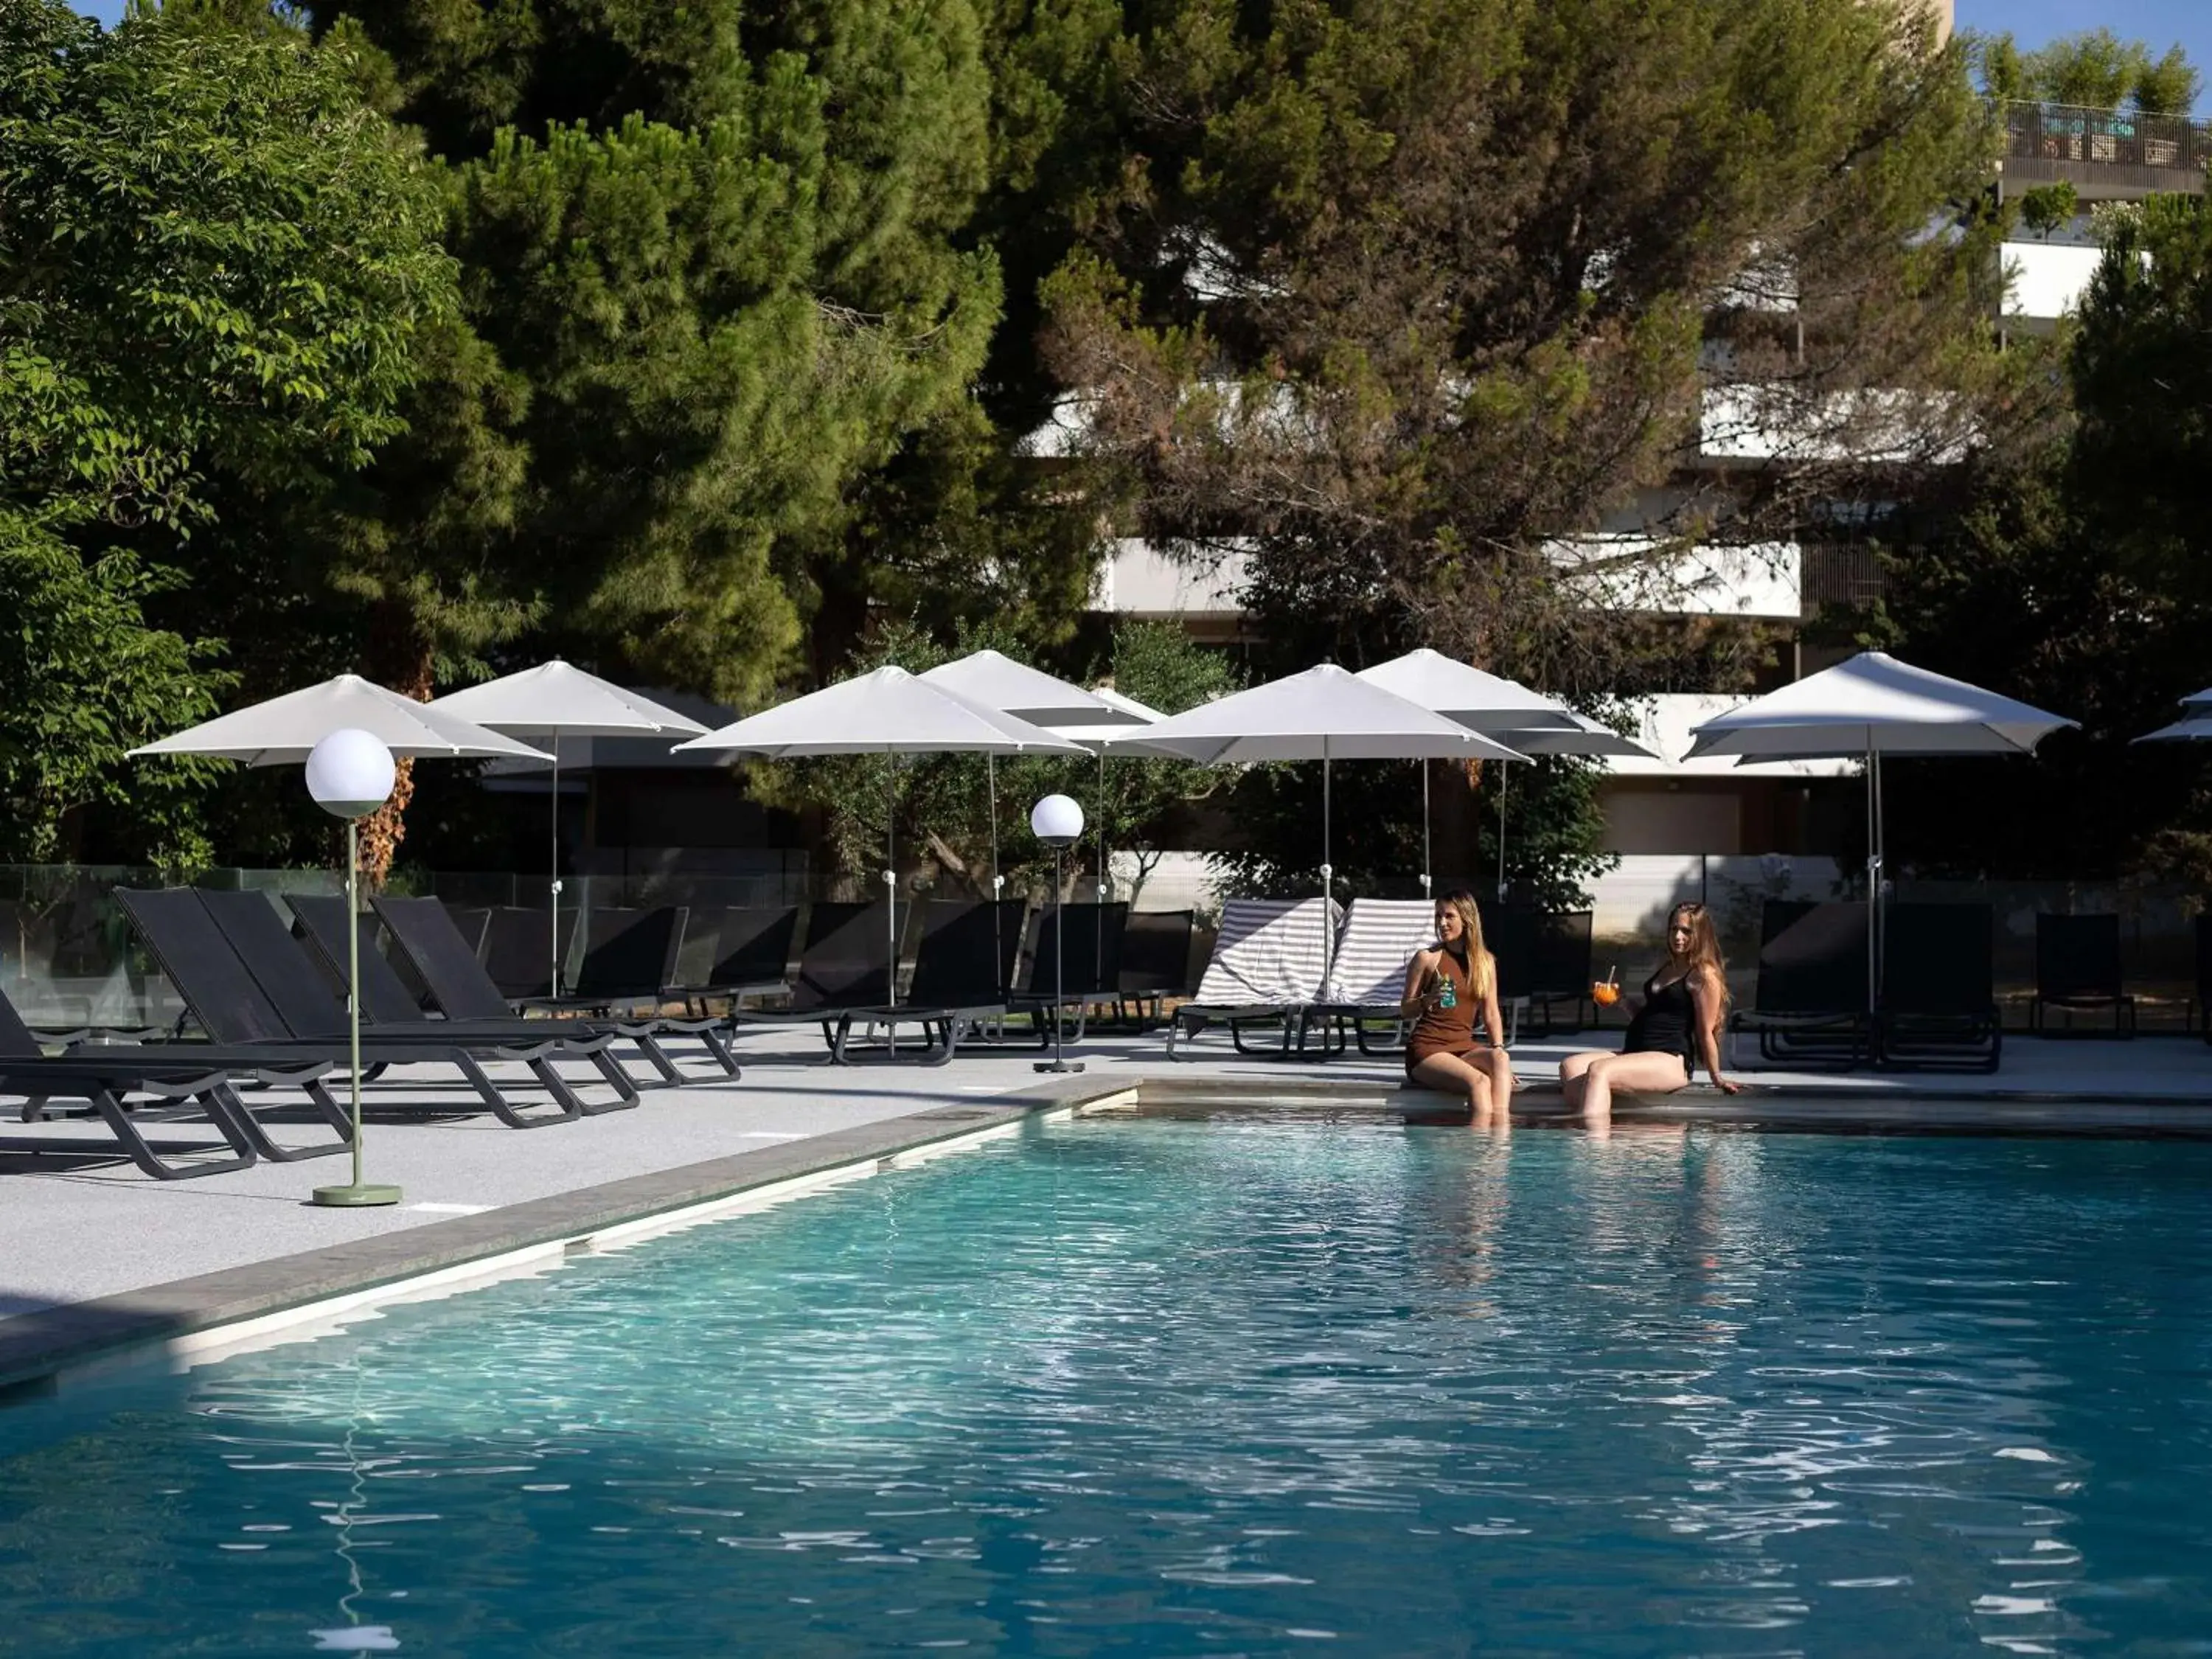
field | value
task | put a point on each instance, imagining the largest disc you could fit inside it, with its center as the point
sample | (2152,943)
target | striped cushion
(1380,938)
(1268,951)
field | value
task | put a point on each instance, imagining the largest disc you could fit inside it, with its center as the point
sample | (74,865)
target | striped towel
(1380,938)
(1270,952)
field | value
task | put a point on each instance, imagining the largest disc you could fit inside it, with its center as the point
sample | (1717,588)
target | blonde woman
(1446,990)
(1678,1024)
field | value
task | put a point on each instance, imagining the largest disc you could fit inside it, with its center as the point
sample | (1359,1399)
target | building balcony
(2104,154)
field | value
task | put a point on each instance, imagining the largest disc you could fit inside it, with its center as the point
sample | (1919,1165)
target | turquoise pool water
(1226,1387)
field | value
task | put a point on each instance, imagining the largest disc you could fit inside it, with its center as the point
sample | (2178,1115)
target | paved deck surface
(80,1223)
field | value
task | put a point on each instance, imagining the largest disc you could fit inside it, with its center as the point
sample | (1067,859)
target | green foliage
(1393,294)
(213,259)
(2076,578)
(2094,70)
(2049,207)
(716,256)
(82,680)
(216,266)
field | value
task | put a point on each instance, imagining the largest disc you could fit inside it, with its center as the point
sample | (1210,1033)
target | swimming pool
(1253,1384)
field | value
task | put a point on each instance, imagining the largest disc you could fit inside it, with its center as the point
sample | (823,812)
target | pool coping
(38,1350)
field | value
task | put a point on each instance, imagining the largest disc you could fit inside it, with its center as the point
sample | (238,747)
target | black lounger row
(1938,1010)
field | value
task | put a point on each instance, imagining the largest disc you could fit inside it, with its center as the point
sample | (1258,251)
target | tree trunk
(399,657)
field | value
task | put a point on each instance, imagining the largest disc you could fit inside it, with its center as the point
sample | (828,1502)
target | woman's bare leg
(1572,1071)
(1450,1075)
(1659,1073)
(1499,1065)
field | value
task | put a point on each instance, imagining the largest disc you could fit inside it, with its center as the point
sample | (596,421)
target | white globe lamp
(350,775)
(1057,821)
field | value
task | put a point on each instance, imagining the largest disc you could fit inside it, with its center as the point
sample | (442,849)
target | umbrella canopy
(2195,726)
(1325,714)
(998,682)
(1528,720)
(281,730)
(555,699)
(1584,737)
(1459,691)
(1873,704)
(889,711)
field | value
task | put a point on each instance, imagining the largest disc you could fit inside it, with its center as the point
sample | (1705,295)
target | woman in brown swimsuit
(1446,988)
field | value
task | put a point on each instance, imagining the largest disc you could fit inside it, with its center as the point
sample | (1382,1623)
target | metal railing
(2063,132)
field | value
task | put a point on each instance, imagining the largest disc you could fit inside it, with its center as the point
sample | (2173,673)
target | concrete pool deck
(95,1257)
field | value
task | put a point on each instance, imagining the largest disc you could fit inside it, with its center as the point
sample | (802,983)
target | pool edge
(39,1351)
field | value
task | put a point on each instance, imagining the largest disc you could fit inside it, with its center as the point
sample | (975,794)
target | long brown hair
(1704,949)
(1481,968)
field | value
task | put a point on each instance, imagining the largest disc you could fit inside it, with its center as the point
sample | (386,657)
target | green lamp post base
(356,1196)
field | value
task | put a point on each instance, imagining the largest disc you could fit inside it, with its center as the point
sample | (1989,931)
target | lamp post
(349,774)
(1057,821)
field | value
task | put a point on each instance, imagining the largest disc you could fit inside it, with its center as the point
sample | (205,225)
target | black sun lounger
(740,951)
(844,977)
(1939,1006)
(1155,961)
(2077,968)
(514,945)
(236,1004)
(390,1006)
(1810,1008)
(180,1081)
(465,992)
(1075,962)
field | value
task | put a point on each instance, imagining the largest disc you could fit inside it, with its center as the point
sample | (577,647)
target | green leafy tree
(1391,298)
(216,265)
(2094,70)
(83,679)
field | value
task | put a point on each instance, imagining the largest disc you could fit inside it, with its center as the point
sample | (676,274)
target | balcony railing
(2060,132)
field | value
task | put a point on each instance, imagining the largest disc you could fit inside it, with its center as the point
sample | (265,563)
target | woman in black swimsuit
(1678,1025)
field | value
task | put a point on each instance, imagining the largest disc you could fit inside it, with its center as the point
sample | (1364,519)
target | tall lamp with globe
(350,774)
(1057,821)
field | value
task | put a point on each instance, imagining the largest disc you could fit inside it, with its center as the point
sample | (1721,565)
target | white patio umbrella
(2195,725)
(282,730)
(554,700)
(1504,709)
(1327,714)
(997,681)
(1870,706)
(888,711)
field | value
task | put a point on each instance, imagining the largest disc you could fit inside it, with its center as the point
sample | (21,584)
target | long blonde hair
(1704,953)
(1482,967)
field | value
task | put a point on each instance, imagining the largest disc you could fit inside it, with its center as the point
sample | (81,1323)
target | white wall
(2047,280)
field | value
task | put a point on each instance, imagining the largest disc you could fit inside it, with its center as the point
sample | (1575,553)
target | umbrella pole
(890,872)
(1098,934)
(554,867)
(1501,831)
(1327,883)
(991,789)
(1880,867)
(1874,877)
(1428,862)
